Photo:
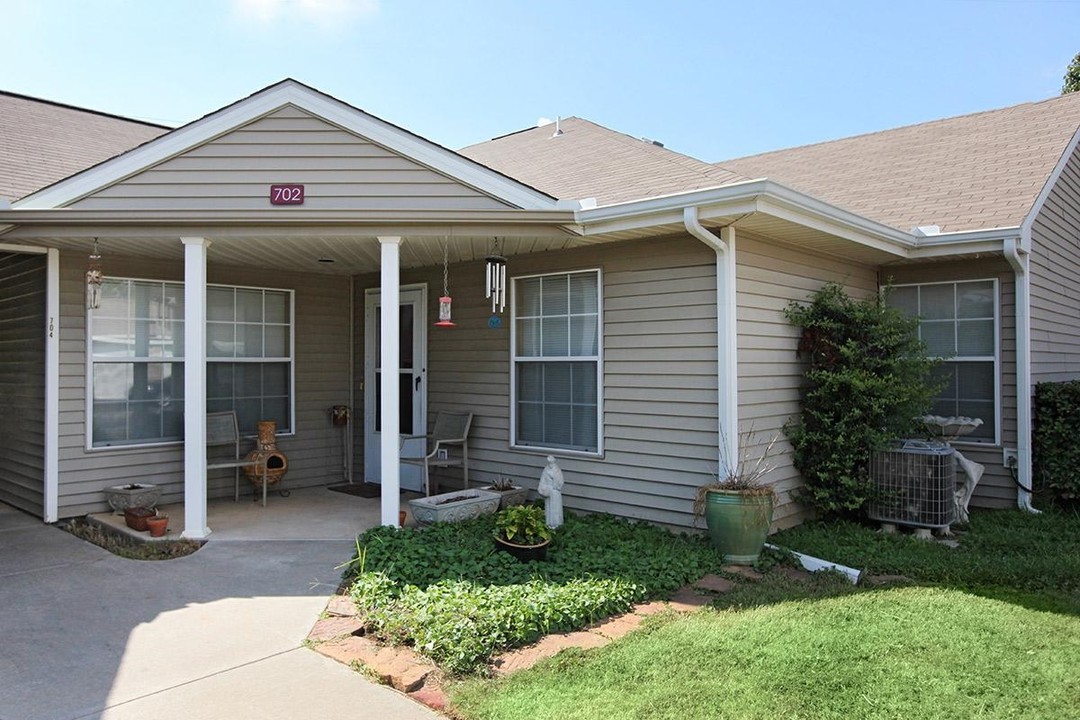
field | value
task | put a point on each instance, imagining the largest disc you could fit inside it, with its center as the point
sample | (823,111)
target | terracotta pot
(157,525)
(401,516)
(135,517)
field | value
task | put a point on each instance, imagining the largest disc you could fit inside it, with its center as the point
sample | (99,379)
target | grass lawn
(989,630)
(898,653)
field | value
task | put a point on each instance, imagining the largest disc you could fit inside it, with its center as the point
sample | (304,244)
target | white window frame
(89,370)
(996,357)
(598,359)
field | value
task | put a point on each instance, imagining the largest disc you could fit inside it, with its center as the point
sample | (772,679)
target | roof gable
(274,123)
(971,172)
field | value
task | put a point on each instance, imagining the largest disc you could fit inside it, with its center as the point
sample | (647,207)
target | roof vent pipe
(558,130)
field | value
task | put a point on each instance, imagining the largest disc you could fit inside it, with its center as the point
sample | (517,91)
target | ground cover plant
(130,548)
(447,590)
(903,652)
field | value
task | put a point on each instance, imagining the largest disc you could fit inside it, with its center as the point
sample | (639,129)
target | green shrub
(868,379)
(1055,435)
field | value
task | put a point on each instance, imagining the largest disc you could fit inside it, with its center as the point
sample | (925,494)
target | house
(644,326)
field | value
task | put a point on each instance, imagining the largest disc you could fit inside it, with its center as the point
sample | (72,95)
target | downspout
(1018,255)
(727,358)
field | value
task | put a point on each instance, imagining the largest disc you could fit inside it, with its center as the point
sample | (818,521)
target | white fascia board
(1048,187)
(968,242)
(267,101)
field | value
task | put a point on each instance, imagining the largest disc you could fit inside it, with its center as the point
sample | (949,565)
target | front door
(412,385)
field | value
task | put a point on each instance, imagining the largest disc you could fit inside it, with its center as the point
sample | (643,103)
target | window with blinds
(556,349)
(958,321)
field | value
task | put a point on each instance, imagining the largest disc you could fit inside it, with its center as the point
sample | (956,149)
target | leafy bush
(1057,425)
(868,379)
(522,525)
(460,624)
(455,598)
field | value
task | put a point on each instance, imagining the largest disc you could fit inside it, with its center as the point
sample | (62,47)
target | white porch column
(390,440)
(195,526)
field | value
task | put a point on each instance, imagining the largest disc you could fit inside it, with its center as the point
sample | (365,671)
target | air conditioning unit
(915,483)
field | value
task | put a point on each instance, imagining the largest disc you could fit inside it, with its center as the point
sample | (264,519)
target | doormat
(366,490)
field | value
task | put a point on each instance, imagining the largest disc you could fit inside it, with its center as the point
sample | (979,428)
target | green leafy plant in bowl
(521,531)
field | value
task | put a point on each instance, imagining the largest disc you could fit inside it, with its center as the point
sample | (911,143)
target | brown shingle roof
(591,161)
(964,173)
(42,142)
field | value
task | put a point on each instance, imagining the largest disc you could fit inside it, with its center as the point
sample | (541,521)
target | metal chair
(450,430)
(221,430)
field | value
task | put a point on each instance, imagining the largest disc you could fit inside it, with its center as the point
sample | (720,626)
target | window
(958,323)
(556,362)
(137,360)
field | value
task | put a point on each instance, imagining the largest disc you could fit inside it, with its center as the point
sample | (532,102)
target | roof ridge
(926,123)
(68,106)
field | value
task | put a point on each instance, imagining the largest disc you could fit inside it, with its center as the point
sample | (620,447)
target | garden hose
(1014,471)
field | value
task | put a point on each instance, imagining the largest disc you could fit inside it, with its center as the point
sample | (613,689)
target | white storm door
(412,382)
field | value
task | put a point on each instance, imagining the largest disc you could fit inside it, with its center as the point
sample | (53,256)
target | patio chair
(222,430)
(450,430)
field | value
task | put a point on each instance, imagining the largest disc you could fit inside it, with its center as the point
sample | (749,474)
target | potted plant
(738,508)
(509,493)
(122,497)
(157,525)
(520,530)
(135,517)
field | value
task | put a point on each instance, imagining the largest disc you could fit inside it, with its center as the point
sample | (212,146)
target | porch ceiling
(351,255)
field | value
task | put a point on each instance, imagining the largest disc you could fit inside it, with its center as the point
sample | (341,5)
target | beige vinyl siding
(769,277)
(339,170)
(660,413)
(22,381)
(321,367)
(1055,281)
(996,489)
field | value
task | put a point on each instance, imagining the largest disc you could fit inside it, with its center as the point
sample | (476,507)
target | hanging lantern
(95,278)
(445,300)
(496,280)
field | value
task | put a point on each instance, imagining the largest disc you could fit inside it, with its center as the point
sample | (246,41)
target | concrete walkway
(217,634)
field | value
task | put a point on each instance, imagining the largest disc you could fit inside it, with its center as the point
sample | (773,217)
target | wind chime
(496,281)
(95,278)
(445,300)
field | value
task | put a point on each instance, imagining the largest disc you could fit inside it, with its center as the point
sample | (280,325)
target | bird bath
(949,429)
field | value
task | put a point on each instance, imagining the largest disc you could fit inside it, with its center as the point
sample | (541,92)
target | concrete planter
(454,506)
(509,498)
(122,497)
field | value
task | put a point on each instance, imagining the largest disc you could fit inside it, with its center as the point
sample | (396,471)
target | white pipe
(1018,257)
(727,348)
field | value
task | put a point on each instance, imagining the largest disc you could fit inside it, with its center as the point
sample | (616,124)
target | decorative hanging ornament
(95,278)
(445,300)
(496,280)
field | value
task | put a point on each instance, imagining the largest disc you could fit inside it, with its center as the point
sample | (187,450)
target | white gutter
(1019,258)
(727,358)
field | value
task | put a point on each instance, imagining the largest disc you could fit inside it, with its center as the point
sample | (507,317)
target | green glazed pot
(738,524)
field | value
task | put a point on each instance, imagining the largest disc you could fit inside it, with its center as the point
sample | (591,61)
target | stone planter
(508,498)
(122,497)
(454,506)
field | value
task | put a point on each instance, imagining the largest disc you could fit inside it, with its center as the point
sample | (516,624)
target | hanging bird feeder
(95,278)
(445,301)
(496,280)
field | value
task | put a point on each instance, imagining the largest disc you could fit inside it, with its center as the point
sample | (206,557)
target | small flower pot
(135,517)
(157,525)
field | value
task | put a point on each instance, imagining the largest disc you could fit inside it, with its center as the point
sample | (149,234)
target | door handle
(417,382)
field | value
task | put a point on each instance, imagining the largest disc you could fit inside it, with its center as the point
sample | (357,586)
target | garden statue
(551,482)
(949,429)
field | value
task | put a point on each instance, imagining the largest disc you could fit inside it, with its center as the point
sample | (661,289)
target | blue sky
(711,79)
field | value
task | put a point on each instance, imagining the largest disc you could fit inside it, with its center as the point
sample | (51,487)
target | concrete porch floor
(307,514)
